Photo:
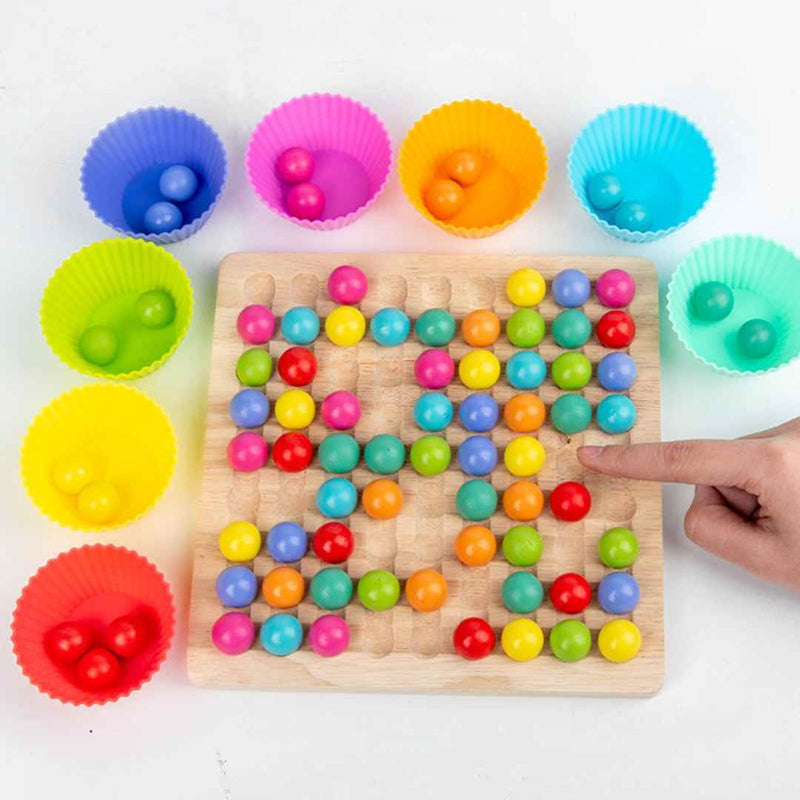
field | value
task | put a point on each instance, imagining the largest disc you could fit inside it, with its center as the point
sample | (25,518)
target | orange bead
(426,590)
(480,328)
(524,413)
(382,499)
(464,167)
(444,198)
(475,546)
(523,501)
(283,587)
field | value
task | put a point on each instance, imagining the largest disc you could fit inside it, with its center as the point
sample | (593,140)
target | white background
(726,722)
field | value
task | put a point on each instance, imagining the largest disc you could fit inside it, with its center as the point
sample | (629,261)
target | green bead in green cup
(571,371)
(476,500)
(430,455)
(570,640)
(338,453)
(525,328)
(99,345)
(522,545)
(571,413)
(378,590)
(522,592)
(571,329)
(254,367)
(331,588)
(155,309)
(712,301)
(618,548)
(384,454)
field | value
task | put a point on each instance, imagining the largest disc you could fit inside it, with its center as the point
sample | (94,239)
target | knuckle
(693,525)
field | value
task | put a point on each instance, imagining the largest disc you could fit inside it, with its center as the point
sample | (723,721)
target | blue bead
(281,634)
(287,542)
(571,288)
(477,456)
(162,217)
(300,325)
(479,413)
(526,370)
(618,593)
(632,217)
(616,413)
(236,587)
(337,498)
(616,372)
(433,411)
(604,191)
(177,183)
(249,408)
(390,327)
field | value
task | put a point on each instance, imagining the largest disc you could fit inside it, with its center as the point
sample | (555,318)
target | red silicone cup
(94,584)
(351,149)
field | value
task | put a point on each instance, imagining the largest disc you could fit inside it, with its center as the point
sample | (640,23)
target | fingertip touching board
(403,650)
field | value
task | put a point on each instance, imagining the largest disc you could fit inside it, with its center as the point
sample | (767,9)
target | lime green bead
(430,455)
(571,413)
(571,329)
(254,367)
(155,309)
(331,588)
(525,328)
(571,371)
(99,345)
(378,590)
(522,545)
(476,500)
(618,548)
(435,327)
(384,454)
(570,640)
(339,453)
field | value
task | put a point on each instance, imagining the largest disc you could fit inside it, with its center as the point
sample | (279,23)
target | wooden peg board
(402,650)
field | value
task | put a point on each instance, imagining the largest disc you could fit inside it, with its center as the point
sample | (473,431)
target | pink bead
(233,633)
(295,165)
(615,288)
(347,285)
(255,324)
(434,369)
(329,635)
(341,410)
(247,452)
(305,201)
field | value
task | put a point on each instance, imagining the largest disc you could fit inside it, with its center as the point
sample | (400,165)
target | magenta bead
(255,324)
(329,635)
(347,285)
(305,201)
(341,410)
(434,369)
(233,633)
(247,452)
(615,288)
(295,165)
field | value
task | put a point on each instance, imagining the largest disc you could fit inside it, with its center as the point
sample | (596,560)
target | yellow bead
(295,409)
(72,473)
(99,502)
(524,456)
(619,641)
(479,369)
(345,326)
(526,288)
(240,541)
(522,639)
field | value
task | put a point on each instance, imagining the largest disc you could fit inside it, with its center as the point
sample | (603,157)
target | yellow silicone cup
(99,285)
(514,164)
(126,435)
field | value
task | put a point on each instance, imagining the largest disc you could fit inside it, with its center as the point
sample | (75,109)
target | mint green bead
(476,500)
(254,367)
(571,329)
(430,455)
(384,454)
(522,593)
(435,327)
(331,588)
(571,413)
(525,328)
(571,371)
(339,453)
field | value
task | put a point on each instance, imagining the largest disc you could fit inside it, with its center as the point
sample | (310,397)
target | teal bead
(476,500)
(712,301)
(571,329)
(339,453)
(435,327)
(331,588)
(757,338)
(385,454)
(604,191)
(522,593)
(571,413)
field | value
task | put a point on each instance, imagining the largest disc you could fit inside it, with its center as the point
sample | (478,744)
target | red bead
(570,593)
(473,638)
(127,636)
(297,366)
(68,641)
(98,669)
(292,452)
(333,543)
(570,501)
(616,329)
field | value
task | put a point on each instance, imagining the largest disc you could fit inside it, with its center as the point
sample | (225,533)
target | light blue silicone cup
(662,159)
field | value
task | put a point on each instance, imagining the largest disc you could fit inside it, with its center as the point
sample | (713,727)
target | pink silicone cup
(351,148)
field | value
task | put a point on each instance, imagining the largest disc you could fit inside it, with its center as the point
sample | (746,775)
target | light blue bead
(337,498)
(300,325)
(287,542)
(526,370)
(249,408)
(479,413)
(390,327)
(632,217)
(571,288)
(616,372)
(281,634)
(618,593)
(177,183)
(433,411)
(616,414)
(162,217)
(604,191)
(477,456)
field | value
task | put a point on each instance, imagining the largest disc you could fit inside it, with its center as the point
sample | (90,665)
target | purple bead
(177,183)
(287,542)
(233,633)
(616,372)
(162,217)
(571,288)
(236,586)
(618,593)
(479,413)
(477,455)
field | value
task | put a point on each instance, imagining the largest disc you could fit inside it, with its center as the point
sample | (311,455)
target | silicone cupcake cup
(351,149)
(93,584)
(125,435)
(765,279)
(662,159)
(121,168)
(99,285)
(514,164)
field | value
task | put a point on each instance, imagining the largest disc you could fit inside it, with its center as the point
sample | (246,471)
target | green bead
(378,590)
(385,454)
(712,301)
(571,413)
(525,328)
(522,593)
(571,328)
(435,327)
(618,548)
(331,588)
(430,455)
(254,367)
(757,338)
(155,309)
(339,453)
(476,500)
(570,640)
(571,371)
(522,545)
(98,345)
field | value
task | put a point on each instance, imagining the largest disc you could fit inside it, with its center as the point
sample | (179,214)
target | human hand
(746,506)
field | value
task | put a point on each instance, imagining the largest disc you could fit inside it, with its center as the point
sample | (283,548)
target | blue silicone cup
(121,168)
(661,158)
(765,279)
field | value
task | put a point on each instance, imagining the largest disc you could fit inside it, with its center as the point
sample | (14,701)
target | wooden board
(402,650)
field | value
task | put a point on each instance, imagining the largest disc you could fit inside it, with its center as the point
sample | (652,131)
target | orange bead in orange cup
(464,167)
(444,198)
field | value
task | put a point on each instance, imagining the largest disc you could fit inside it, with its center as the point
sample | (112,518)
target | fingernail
(589,453)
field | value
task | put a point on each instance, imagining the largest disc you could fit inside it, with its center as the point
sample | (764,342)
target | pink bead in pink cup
(295,165)
(305,201)
(341,410)
(233,633)
(615,288)
(255,324)
(347,285)
(434,369)
(329,635)
(247,452)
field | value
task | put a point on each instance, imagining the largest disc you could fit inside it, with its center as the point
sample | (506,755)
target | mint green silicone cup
(765,279)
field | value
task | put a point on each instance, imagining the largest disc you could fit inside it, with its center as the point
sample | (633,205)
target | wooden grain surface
(402,650)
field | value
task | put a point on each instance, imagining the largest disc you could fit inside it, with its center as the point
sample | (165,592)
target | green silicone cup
(765,279)
(99,285)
